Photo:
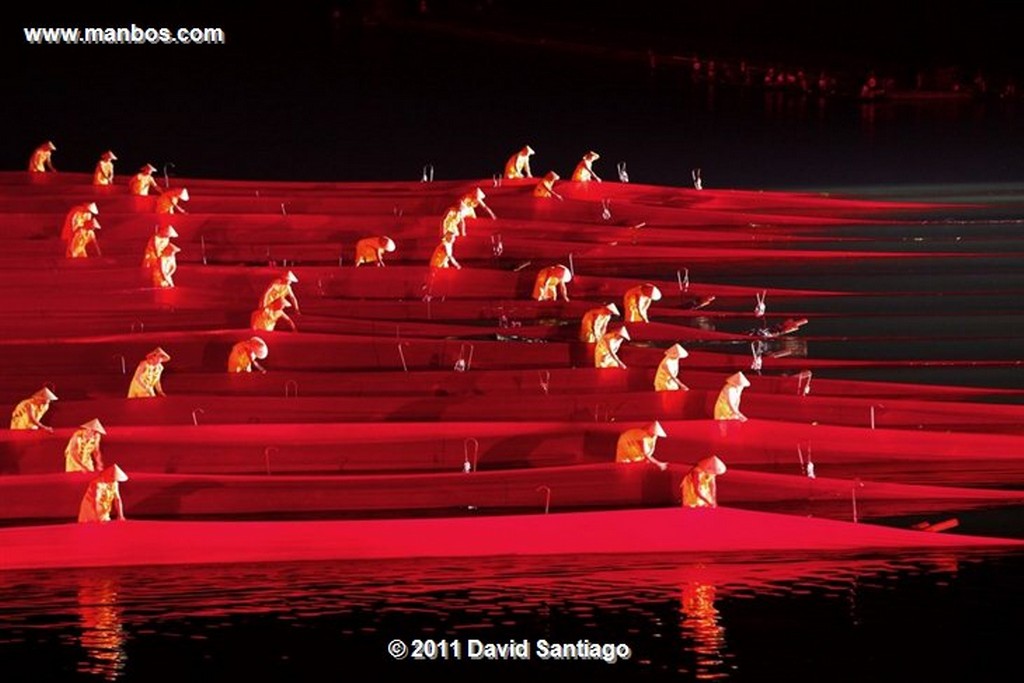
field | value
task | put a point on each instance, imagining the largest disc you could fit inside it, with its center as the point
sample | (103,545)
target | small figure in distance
(637,302)
(245,353)
(443,256)
(637,445)
(667,376)
(41,160)
(551,282)
(143,181)
(699,487)
(146,381)
(727,407)
(595,322)
(372,249)
(518,165)
(584,171)
(28,414)
(606,351)
(82,453)
(104,173)
(169,202)
(545,189)
(102,498)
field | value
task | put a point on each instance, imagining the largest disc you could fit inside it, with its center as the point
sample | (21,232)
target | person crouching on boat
(281,288)
(667,376)
(78,245)
(164,269)
(102,498)
(518,165)
(551,282)
(443,256)
(637,445)
(244,355)
(170,201)
(606,351)
(584,172)
(595,322)
(162,236)
(371,250)
(545,189)
(727,407)
(266,319)
(28,414)
(637,301)
(699,489)
(82,453)
(146,381)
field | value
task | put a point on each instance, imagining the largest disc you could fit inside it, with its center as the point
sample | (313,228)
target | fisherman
(146,381)
(244,355)
(78,245)
(606,351)
(637,445)
(454,220)
(727,407)
(667,376)
(551,282)
(169,202)
(595,322)
(161,237)
(584,172)
(474,199)
(143,181)
(164,269)
(518,165)
(266,319)
(77,218)
(637,300)
(102,498)
(82,453)
(104,173)
(372,249)
(442,256)
(28,414)
(41,160)
(698,486)
(546,187)
(281,288)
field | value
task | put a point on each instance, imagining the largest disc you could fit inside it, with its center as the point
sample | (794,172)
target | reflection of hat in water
(113,473)
(656,429)
(45,394)
(613,309)
(159,355)
(676,351)
(738,380)
(711,465)
(259,347)
(94,425)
